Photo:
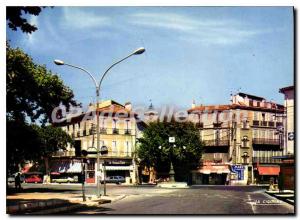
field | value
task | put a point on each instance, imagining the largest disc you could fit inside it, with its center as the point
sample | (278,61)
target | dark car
(114,179)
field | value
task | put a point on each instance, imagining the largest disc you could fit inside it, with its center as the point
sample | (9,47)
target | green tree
(185,156)
(15,17)
(32,92)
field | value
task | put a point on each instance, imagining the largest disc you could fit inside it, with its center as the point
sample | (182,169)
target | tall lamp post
(171,172)
(98,86)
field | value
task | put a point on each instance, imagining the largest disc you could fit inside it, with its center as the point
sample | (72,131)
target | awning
(118,168)
(269,170)
(219,169)
(31,169)
(66,167)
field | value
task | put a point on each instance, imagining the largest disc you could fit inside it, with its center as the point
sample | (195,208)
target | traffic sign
(171,139)
(291,136)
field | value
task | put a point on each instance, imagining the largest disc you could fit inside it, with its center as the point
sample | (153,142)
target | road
(196,200)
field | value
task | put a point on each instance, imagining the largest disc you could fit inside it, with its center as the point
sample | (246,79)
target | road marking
(251,203)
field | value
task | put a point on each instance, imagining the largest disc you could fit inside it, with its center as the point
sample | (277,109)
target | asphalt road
(226,200)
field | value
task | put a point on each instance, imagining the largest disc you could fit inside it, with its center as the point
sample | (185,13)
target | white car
(65,180)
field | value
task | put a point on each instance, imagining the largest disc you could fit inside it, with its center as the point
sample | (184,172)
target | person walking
(18,182)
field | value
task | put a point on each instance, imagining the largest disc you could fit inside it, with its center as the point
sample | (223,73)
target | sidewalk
(52,203)
(285,195)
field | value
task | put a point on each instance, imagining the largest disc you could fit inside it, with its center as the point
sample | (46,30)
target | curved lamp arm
(136,52)
(92,77)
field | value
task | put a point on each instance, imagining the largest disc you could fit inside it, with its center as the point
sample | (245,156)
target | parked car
(33,179)
(65,180)
(11,178)
(114,179)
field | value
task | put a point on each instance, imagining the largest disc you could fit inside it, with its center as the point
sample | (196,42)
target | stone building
(119,128)
(240,140)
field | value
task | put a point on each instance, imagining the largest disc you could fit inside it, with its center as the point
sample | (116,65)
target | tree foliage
(157,134)
(32,92)
(15,17)
(30,142)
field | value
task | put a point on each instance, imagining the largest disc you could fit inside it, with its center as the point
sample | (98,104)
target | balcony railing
(265,141)
(265,160)
(264,123)
(255,123)
(216,142)
(271,123)
(115,131)
(127,131)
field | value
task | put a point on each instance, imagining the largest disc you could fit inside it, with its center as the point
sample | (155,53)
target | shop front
(263,174)
(118,167)
(211,174)
(66,171)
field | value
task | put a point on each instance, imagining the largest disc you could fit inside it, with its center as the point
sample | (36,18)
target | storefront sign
(239,170)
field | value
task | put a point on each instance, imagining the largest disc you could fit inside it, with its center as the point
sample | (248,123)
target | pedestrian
(18,182)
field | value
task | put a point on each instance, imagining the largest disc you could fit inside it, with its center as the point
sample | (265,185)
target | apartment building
(240,140)
(289,94)
(119,128)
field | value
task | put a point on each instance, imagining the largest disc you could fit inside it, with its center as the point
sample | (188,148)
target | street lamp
(98,86)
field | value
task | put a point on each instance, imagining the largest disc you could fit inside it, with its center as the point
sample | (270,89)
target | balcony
(265,141)
(127,131)
(115,131)
(103,131)
(64,154)
(271,123)
(199,125)
(216,142)
(265,160)
(255,123)
(264,123)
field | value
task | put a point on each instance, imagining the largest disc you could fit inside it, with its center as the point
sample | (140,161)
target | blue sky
(201,53)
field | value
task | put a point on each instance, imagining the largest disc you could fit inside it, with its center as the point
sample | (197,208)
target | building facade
(118,128)
(289,134)
(240,140)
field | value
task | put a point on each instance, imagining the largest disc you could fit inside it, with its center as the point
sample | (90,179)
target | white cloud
(80,18)
(209,31)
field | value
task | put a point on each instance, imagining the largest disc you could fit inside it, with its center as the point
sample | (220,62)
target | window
(114,148)
(255,117)
(128,148)
(250,102)
(258,104)
(114,123)
(245,123)
(255,133)
(263,116)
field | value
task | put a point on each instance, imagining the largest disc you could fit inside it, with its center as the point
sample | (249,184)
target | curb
(281,199)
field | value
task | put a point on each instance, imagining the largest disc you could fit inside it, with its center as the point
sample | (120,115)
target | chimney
(128,106)
(194,104)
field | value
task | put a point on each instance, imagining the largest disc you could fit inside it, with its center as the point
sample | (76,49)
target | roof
(210,108)
(107,108)
(250,96)
(284,89)
(280,108)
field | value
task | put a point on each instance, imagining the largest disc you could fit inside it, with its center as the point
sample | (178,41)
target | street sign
(171,139)
(239,170)
(290,136)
